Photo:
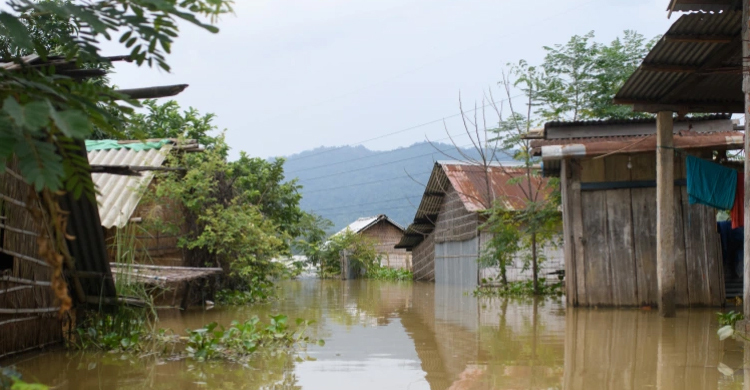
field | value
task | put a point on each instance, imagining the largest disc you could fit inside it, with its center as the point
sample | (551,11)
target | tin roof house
(385,233)
(446,237)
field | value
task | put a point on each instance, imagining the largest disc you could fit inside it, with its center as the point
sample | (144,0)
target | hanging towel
(710,184)
(738,210)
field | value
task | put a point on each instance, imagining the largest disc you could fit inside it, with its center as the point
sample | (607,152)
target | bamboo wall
(28,310)
(386,236)
(610,236)
(153,245)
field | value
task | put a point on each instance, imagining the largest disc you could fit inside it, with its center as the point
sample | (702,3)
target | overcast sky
(285,76)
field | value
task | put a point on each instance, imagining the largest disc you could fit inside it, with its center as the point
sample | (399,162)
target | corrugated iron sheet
(365,223)
(118,194)
(471,183)
(555,149)
(651,87)
(704,5)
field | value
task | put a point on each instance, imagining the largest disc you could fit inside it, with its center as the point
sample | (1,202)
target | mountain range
(343,184)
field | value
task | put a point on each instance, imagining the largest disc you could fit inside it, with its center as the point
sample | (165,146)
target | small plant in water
(387,273)
(727,322)
(242,339)
(519,289)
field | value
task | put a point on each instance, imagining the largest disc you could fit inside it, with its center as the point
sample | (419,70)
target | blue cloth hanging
(710,184)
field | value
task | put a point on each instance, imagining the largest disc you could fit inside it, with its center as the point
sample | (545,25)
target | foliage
(579,79)
(44,115)
(379,272)
(730,318)
(361,254)
(167,121)
(256,291)
(519,289)
(242,339)
(123,330)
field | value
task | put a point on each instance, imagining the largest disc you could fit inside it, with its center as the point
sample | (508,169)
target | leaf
(14,110)
(725,332)
(321,342)
(16,31)
(72,123)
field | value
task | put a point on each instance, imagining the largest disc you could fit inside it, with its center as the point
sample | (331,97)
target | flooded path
(382,335)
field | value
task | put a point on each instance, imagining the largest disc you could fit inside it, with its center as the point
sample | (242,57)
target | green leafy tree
(360,252)
(578,80)
(44,114)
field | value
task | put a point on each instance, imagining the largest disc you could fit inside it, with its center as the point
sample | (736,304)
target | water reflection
(419,336)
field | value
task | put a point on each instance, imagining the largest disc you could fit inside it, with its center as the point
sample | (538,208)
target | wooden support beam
(665,265)
(153,92)
(671,68)
(746,91)
(698,38)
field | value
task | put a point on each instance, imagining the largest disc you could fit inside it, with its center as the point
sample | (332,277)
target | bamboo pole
(24,257)
(665,213)
(24,281)
(7,290)
(159,267)
(29,311)
(17,320)
(12,201)
(19,231)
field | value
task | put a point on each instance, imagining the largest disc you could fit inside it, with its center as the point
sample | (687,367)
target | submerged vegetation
(519,288)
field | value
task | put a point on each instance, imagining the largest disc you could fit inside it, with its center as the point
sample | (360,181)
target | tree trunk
(534,264)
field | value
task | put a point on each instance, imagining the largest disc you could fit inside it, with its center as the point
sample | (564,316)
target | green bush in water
(386,273)
(242,339)
(520,288)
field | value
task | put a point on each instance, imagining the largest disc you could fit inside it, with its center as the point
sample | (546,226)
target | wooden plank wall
(611,237)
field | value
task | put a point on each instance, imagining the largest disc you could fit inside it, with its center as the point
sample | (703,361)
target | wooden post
(746,91)
(665,267)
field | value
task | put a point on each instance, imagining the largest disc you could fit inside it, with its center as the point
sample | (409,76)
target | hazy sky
(284,76)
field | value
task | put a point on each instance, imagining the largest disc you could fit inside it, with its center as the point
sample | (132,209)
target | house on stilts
(446,237)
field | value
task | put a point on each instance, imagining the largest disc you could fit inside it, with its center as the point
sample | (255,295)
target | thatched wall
(28,312)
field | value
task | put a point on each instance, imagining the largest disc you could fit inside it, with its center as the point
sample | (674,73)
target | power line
(370,203)
(370,156)
(402,130)
(370,210)
(386,163)
(363,183)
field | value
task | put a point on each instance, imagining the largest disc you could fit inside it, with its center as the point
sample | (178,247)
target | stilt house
(608,183)
(446,237)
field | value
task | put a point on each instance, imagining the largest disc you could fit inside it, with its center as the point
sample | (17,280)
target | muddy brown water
(383,335)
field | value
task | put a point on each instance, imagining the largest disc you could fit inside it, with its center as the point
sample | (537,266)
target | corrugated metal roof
(470,181)
(704,5)
(609,122)
(119,194)
(365,223)
(697,75)
(555,149)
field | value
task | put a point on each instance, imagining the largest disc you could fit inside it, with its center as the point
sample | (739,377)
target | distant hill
(343,184)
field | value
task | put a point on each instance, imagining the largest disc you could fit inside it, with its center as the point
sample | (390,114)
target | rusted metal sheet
(478,187)
(597,146)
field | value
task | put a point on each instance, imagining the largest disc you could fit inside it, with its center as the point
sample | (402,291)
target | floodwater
(382,335)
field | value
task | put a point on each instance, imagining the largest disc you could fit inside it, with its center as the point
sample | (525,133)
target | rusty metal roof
(118,195)
(695,67)
(555,149)
(470,181)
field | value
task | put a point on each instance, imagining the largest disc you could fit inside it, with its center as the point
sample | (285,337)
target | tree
(44,113)
(578,80)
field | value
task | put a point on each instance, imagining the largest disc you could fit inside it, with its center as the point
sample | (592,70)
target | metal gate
(456,263)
